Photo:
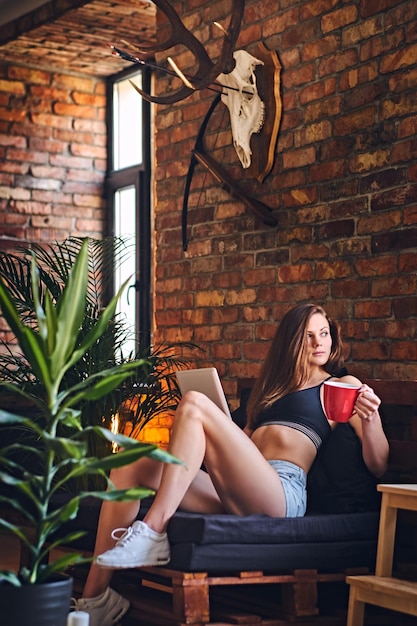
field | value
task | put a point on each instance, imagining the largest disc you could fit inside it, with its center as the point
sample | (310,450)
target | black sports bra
(301,410)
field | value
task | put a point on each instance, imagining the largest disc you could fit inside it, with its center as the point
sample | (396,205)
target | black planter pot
(47,604)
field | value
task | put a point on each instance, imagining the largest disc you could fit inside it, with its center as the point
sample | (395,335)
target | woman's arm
(367,423)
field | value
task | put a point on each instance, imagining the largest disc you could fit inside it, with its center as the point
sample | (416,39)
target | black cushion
(222,543)
(261,529)
(339,481)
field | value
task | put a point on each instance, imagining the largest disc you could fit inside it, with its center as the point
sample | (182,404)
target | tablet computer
(207,381)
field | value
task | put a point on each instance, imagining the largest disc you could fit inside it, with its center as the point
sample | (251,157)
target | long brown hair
(286,368)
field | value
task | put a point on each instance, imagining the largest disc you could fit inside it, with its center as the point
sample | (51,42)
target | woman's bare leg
(146,473)
(239,476)
(239,480)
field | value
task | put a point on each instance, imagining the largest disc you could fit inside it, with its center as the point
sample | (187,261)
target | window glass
(127,124)
(125,264)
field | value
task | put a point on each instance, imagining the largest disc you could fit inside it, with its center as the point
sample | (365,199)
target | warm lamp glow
(114,427)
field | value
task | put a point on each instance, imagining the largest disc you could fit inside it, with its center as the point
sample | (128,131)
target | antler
(207,71)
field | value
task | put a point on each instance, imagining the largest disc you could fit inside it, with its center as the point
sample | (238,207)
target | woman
(259,470)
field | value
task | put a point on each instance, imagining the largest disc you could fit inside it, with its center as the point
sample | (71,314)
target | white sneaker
(104,610)
(139,546)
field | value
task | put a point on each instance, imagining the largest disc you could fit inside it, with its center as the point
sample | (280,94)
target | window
(129,194)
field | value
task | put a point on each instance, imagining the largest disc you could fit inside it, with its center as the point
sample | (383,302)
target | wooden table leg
(356,609)
(386,537)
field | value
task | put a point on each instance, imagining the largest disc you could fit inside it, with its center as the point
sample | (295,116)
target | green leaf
(65,448)
(11,578)
(105,386)
(27,339)
(10,419)
(71,310)
(39,312)
(125,457)
(9,310)
(61,564)
(21,508)
(16,530)
(80,391)
(57,517)
(122,495)
(52,323)
(71,418)
(99,327)
(33,349)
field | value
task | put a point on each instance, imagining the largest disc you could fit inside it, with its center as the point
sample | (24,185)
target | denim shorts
(294,482)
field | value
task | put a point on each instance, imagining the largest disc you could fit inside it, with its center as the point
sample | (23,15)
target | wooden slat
(387,592)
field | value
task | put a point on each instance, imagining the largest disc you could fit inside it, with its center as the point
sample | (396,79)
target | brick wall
(343,189)
(52,155)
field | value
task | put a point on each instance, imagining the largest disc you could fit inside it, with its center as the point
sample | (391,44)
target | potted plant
(33,470)
(54,263)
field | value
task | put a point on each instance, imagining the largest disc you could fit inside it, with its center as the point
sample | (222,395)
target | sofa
(263,571)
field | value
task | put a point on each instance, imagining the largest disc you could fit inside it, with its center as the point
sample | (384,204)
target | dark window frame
(139,177)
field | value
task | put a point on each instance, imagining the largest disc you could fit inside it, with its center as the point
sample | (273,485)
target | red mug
(339,400)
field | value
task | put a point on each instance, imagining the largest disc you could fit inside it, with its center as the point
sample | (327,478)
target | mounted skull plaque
(255,107)
(240,95)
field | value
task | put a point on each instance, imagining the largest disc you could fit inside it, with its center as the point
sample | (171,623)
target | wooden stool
(382,589)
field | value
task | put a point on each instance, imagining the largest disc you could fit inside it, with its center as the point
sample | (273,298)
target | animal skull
(241,97)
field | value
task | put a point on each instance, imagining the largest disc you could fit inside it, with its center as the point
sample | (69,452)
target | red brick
(397,106)
(89,100)
(371,7)
(338,18)
(317,91)
(295,273)
(404,351)
(354,121)
(299,158)
(393,286)
(337,62)
(372,309)
(299,76)
(371,266)
(371,350)
(393,329)
(323,108)
(331,270)
(51,120)
(29,75)
(12,87)
(328,171)
(74,110)
(377,46)
(73,82)
(369,161)
(85,150)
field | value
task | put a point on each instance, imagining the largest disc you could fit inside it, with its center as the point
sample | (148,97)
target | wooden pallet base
(164,597)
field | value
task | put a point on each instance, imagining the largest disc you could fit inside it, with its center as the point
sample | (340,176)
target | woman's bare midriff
(284,443)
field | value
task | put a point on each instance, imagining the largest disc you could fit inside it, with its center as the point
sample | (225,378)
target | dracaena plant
(54,263)
(32,473)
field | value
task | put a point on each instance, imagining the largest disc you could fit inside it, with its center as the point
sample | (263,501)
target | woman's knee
(122,477)
(194,405)
(145,472)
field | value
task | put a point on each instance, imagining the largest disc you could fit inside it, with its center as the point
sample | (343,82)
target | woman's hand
(367,403)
